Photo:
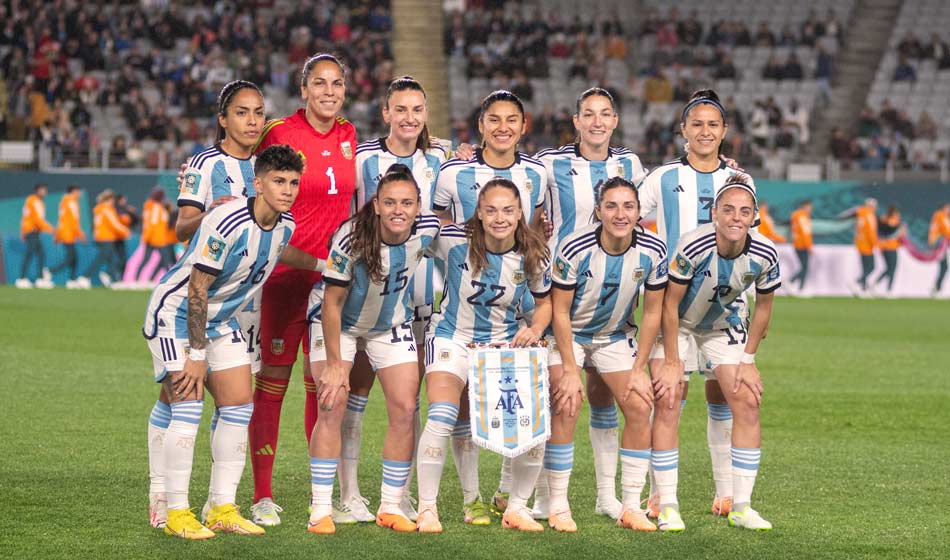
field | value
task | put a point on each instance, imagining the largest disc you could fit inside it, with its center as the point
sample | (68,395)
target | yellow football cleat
(183,524)
(227,519)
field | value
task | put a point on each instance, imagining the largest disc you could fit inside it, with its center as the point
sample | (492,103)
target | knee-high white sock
(603,439)
(634,464)
(666,471)
(417,433)
(558,463)
(524,473)
(466,460)
(322,473)
(214,426)
(179,451)
(745,467)
(504,484)
(229,452)
(430,458)
(352,434)
(719,438)
(158,422)
(395,477)
(654,491)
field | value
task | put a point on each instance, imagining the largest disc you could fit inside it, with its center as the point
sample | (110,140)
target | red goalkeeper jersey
(328,181)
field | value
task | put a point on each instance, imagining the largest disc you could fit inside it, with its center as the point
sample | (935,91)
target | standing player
(32,225)
(491,261)
(680,194)
(501,124)
(211,178)
(191,327)
(408,143)
(327,143)
(573,174)
(597,275)
(710,271)
(364,297)
(802,242)
(68,232)
(940,233)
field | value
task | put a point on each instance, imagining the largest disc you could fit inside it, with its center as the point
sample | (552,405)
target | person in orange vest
(155,219)
(940,230)
(129,216)
(31,226)
(69,232)
(107,228)
(767,224)
(889,233)
(801,241)
(865,240)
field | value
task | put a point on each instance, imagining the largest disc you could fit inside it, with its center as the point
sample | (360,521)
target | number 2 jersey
(328,180)
(605,285)
(715,284)
(231,246)
(372,307)
(482,307)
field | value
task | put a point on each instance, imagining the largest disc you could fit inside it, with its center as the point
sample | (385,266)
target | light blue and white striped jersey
(484,307)
(212,174)
(460,180)
(605,285)
(681,197)
(372,307)
(714,296)
(231,246)
(572,182)
(373,158)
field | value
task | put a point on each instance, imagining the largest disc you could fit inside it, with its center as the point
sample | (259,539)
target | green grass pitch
(856,459)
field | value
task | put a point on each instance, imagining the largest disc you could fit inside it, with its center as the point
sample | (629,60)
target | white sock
(666,471)
(214,426)
(603,439)
(745,467)
(158,422)
(322,473)
(719,438)
(395,477)
(558,463)
(524,473)
(179,451)
(352,435)
(229,452)
(466,460)
(634,464)
(417,433)
(430,458)
(504,485)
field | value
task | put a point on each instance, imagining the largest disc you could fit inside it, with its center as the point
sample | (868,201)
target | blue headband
(701,101)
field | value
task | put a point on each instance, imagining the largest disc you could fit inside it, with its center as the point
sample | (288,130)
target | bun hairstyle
(224,101)
(366,240)
(408,83)
(317,59)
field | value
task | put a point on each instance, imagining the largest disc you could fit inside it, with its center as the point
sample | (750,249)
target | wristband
(321,265)
(747,358)
(197,354)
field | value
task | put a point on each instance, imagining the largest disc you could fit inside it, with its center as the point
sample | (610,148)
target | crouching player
(597,276)
(191,326)
(364,297)
(712,267)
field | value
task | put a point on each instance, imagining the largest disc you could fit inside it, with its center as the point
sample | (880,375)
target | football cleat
(157,510)
(476,512)
(408,507)
(670,521)
(23,283)
(520,519)
(321,526)
(609,506)
(499,502)
(355,510)
(562,522)
(227,519)
(395,520)
(653,507)
(636,520)
(748,518)
(428,521)
(721,506)
(183,524)
(265,512)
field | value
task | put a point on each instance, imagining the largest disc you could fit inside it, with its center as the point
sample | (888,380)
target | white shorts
(713,348)
(443,354)
(250,322)
(606,358)
(224,352)
(384,349)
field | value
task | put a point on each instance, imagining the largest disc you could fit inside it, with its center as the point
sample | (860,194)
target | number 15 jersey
(328,180)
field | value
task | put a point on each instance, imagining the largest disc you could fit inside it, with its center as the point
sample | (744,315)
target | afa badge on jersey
(561,268)
(337,261)
(518,277)
(190,183)
(638,274)
(682,265)
(347,149)
(214,249)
